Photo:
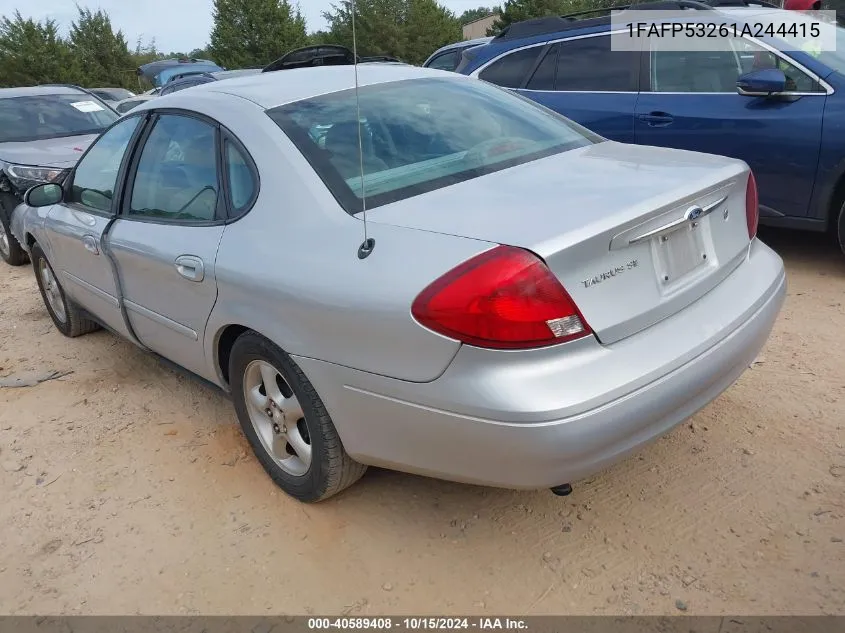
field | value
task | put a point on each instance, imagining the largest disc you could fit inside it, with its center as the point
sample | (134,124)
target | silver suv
(44,130)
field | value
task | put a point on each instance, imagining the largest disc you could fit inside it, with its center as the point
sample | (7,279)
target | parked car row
(424,272)
(44,130)
(780,110)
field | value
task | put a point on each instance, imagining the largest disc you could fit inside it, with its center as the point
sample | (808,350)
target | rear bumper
(546,417)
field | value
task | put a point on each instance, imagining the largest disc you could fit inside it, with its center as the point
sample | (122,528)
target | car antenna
(369,243)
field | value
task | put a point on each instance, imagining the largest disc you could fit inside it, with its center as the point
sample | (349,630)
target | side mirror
(761,83)
(44,195)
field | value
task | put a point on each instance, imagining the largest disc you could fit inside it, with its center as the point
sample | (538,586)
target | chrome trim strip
(676,224)
(102,294)
(161,320)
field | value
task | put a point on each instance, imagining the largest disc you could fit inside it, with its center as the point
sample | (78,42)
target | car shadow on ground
(805,254)
(805,250)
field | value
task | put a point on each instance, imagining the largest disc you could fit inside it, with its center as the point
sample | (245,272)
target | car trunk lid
(634,233)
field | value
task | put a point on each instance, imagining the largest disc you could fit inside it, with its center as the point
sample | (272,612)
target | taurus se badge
(613,272)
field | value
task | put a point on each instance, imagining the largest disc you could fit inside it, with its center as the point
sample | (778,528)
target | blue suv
(782,111)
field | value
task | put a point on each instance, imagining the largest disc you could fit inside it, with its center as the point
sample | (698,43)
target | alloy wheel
(277,417)
(52,291)
(4,241)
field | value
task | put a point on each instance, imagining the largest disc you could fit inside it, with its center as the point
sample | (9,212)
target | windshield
(421,135)
(164,76)
(802,38)
(51,116)
(835,59)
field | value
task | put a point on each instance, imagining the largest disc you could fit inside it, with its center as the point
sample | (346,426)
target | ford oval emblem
(693,213)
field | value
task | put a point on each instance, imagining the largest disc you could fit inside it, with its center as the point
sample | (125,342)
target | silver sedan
(525,303)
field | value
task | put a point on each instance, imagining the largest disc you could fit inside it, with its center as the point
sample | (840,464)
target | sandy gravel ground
(128,488)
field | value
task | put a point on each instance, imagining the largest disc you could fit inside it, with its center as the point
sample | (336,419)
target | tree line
(247,33)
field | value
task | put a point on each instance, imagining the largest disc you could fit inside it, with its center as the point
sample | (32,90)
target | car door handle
(657,119)
(90,244)
(190,267)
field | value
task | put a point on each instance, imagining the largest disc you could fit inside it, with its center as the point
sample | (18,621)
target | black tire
(10,250)
(74,324)
(331,469)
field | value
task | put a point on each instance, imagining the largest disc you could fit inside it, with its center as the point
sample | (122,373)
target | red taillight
(752,206)
(504,298)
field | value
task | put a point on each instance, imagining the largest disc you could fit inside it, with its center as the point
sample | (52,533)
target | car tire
(10,250)
(291,433)
(67,317)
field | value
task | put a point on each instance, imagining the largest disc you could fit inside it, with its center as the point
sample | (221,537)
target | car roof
(277,88)
(463,44)
(34,91)
(141,97)
(235,72)
(552,27)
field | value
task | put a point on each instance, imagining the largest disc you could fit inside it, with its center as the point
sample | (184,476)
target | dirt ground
(127,488)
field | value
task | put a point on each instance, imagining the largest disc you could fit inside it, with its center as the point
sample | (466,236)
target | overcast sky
(177,25)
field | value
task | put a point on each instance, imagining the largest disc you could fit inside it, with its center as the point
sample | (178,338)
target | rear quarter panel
(289,269)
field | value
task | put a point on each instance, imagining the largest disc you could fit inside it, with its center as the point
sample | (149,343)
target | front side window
(717,71)
(590,65)
(40,117)
(512,69)
(176,177)
(835,58)
(754,57)
(445,61)
(420,135)
(95,178)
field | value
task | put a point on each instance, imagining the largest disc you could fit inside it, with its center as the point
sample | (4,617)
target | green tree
(254,32)
(100,55)
(378,26)
(519,10)
(471,15)
(428,26)
(32,53)
(407,29)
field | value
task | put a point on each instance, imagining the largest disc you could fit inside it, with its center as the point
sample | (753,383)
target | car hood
(52,152)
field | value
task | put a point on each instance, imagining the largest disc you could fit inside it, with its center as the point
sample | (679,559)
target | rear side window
(176,178)
(589,65)
(242,183)
(511,70)
(544,76)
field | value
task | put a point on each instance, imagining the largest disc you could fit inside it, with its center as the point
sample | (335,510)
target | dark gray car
(43,132)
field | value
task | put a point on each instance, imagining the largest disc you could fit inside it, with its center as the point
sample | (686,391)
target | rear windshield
(420,135)
(51,116)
